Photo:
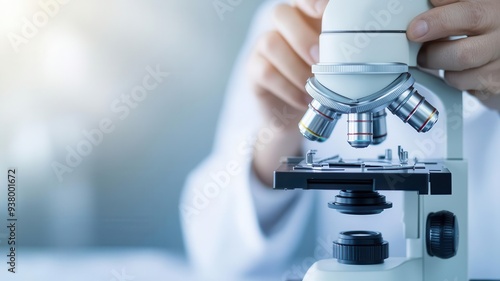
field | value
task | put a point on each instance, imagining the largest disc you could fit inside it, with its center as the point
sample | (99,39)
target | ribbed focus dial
(442,234)
(360,247)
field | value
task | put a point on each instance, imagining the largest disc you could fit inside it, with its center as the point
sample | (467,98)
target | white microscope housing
(363,69)
(367,65)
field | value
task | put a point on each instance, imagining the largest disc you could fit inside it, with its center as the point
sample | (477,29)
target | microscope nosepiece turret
(364,69)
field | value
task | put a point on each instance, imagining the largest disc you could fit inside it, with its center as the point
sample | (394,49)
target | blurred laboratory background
(67,69)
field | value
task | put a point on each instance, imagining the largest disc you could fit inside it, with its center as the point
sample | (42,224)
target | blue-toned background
(63,66)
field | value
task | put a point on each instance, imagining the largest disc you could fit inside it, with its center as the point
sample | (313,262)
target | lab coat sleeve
(234,227)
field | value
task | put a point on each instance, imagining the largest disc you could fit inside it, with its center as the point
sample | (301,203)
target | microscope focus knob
(442,234)
(360,247)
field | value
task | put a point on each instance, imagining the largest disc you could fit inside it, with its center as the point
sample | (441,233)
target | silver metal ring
(374,102)
(360,68)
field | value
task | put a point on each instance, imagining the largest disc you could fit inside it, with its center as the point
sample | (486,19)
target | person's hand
(471,64)
(279,67)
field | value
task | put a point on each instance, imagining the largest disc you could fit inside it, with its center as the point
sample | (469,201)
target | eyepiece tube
(360,129)
(318,122)
(413,109)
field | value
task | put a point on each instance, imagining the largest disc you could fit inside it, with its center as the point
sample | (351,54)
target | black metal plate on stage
(425,177)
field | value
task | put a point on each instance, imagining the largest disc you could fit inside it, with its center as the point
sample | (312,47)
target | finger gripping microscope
(368,65)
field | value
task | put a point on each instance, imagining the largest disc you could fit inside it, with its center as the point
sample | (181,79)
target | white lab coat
(236,229)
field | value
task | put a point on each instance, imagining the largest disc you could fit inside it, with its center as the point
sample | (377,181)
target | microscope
(368,67)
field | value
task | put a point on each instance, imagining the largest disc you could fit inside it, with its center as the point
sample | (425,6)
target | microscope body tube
(369,31)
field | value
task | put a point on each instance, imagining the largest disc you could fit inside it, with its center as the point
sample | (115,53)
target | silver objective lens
(318,122)
(413,109)
(360,129)
(379,127)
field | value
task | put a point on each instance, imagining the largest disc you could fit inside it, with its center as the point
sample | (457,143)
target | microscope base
(393,269)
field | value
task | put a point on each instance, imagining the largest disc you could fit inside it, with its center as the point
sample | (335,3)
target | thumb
(312,8)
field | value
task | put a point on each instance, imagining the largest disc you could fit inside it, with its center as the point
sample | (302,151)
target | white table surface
(113,264)
(96,265)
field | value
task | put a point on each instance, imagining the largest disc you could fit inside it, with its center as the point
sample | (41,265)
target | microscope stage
(430,177)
